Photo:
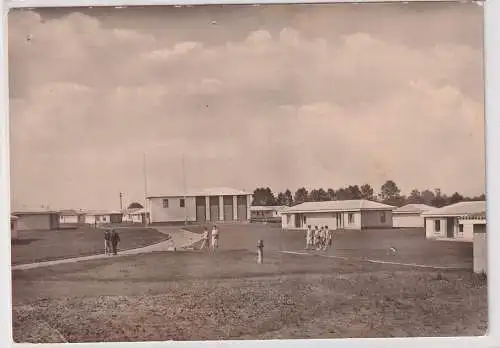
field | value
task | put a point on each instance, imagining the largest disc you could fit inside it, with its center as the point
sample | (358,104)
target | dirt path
(180,238)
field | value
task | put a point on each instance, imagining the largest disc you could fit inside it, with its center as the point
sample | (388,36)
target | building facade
(480,245)
(136,216)
(266,213)
(410,216)
(338,215)
(37,220)
(451,222)
(210,205)
(71,217)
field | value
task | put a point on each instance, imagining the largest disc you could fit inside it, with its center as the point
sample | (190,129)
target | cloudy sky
(281,96)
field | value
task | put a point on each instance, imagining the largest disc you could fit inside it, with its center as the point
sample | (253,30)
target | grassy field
(411,245)
(35,246)
(192,295)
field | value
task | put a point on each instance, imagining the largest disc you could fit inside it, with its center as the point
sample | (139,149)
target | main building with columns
(209,205)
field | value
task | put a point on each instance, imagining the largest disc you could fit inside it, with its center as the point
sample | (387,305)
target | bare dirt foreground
(191,295)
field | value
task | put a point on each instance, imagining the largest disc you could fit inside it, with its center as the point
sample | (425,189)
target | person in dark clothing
(115,239)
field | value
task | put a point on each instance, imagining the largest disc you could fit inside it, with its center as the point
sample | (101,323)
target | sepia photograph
(247,172)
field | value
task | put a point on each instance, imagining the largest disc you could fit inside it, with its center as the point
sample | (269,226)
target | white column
(249,202)
(221,208)
(207,208)
(235,208)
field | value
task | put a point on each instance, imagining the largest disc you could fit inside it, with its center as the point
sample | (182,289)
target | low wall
(480,250)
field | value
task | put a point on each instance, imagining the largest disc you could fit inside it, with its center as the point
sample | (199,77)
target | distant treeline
(389,194)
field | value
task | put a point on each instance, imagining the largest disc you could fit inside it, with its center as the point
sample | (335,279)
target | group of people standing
(319,238)
(213,236)
(111,240)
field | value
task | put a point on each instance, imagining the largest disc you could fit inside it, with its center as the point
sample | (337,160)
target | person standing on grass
(309,237)
(206,242)
(328,238)
(107,242)
(317,237)
(115,239)
(215,238)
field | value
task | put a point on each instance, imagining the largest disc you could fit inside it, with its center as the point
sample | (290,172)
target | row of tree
(389,194)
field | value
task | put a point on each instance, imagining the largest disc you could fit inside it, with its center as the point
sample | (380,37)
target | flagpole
(145,173)
(184,187)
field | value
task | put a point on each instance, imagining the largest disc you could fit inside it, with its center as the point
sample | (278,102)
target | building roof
(268,207)
(13,217)
(71,212)
(476,216)
(458,209)
(334,206)
(34,212)
(134,211)
(214,191)
(413,208)
(102,212)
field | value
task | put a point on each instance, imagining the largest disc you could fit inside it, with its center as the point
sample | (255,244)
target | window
(350,218)
(437,225)
(461,228)
(182,203)
(288,218)
(305,220)
(165,203)
(382,218)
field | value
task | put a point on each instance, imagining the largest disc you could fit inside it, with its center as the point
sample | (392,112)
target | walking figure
(215,238)
(206,242)
(317,237)
(115,239)
(107,242)
(328,237)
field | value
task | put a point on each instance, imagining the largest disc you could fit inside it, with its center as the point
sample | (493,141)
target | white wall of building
(376,219)
(467,232)
(68,219)
(463,229)
(430,230)
(406,220)
(174,212)
(89,219)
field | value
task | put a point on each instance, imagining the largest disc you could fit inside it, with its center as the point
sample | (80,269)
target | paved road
(179,239)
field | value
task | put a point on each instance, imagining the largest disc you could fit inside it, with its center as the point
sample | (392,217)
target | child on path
(107,242)
(206,242)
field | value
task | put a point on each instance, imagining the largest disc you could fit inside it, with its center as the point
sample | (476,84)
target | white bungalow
(97,217)
(136,216)
(72,217)
(450,222)
(221,204)
(410,215)
(337,215)
(265,213)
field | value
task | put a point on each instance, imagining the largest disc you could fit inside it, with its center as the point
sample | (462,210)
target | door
(201,209)
(242,208)
(214,208)
(228,208)
(298,220)
(450,223)
(340,221)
